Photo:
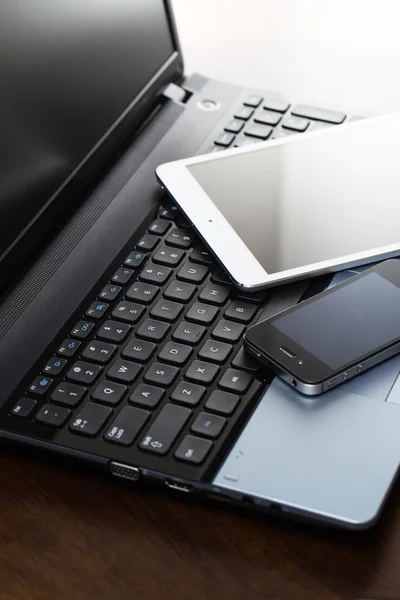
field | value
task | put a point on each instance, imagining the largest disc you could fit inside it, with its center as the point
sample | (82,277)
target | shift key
(165,429)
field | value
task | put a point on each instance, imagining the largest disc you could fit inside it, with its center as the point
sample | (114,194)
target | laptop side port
(124,471)
(179,487)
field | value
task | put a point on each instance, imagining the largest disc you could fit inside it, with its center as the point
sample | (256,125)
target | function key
(68,393)
(234,126)
(319,114)
(193,450)
(202,313)
(202,256)
(122,275)
(215,294)
(54,366)
(55,416)
(180,238)
(228,331)
(123,370)
(97,310)
(177,290)
(99,352)
(189,333)
(110,292)
(244,361)
(169,212)
(159,227)
(90,419)
(215,351)
(188,393)
(142,292)
(295,123)
(135,259)
(167,310)
(147,395)
(162,375)
(128,311)
(244,113)
(83,372)
(224,139)
(152,330)
(126,426)
(24,407)
(165,429)
(236,381)
(108,392)
(202,372)
(243,312)
(267,117)
(113,331)
(82,329)
(155,274)
(223,403)
(258,131)
(276,104)
(253,100)
(148,242)
(40,385)
(193,273)
(208,425)
(68,347)
(139,350)
(168,256)
(174,353)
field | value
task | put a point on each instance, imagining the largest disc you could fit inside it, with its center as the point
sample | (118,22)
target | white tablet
(292,208)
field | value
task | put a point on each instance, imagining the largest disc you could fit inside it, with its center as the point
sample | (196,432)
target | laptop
(120,337)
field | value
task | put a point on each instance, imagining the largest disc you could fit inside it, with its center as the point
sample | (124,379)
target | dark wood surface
(70,534)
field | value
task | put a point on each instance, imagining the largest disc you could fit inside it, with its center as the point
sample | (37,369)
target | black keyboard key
(82,329)
(193,450)
(125,428)
(215,351)
(52,415)
(147,395)
(202,256)
(128,311)
(182,292)
(193,273)
(122,275)
(108,392)
(174,353)
(267,117)
(261,132)
(189,333)
(221,277)
(124,370)
(295,123)
(24,407)
(97,310)
(224,139)
(180,238)
(110,292)
(54,366)
(208,425)
(202,372)
(139,350)
(244,113)
(276,104)
(234,126)
(236,381)
(99,352)
(169,212)
(165,429)
(241,311)
(223,403)
(244,361)
(83,372)
(148,242)
(68,394)
(319,114)
(142,292)
(162,375)
(40,385)
(255,297)
(167,310)
(155,274)
(90,419)
(159,227)
(215,294)
(202,313)
(113,331)
(68,347)
(168,256)
(228,331)
(253,100)
(152,330)
(135,259)
(188,393)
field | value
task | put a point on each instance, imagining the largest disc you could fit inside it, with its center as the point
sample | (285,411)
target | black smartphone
(333,336)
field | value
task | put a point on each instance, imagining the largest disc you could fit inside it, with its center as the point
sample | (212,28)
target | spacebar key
(165,429)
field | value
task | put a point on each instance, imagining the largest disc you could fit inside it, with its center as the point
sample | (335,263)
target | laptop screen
(68,69)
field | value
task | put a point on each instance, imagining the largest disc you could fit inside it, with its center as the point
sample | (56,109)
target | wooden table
(68,534)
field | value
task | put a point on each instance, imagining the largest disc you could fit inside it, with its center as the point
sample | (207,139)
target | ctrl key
(193,449)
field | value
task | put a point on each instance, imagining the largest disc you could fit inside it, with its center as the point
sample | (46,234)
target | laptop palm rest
(335,455)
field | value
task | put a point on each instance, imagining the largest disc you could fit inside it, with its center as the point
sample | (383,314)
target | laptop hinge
(176,93)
